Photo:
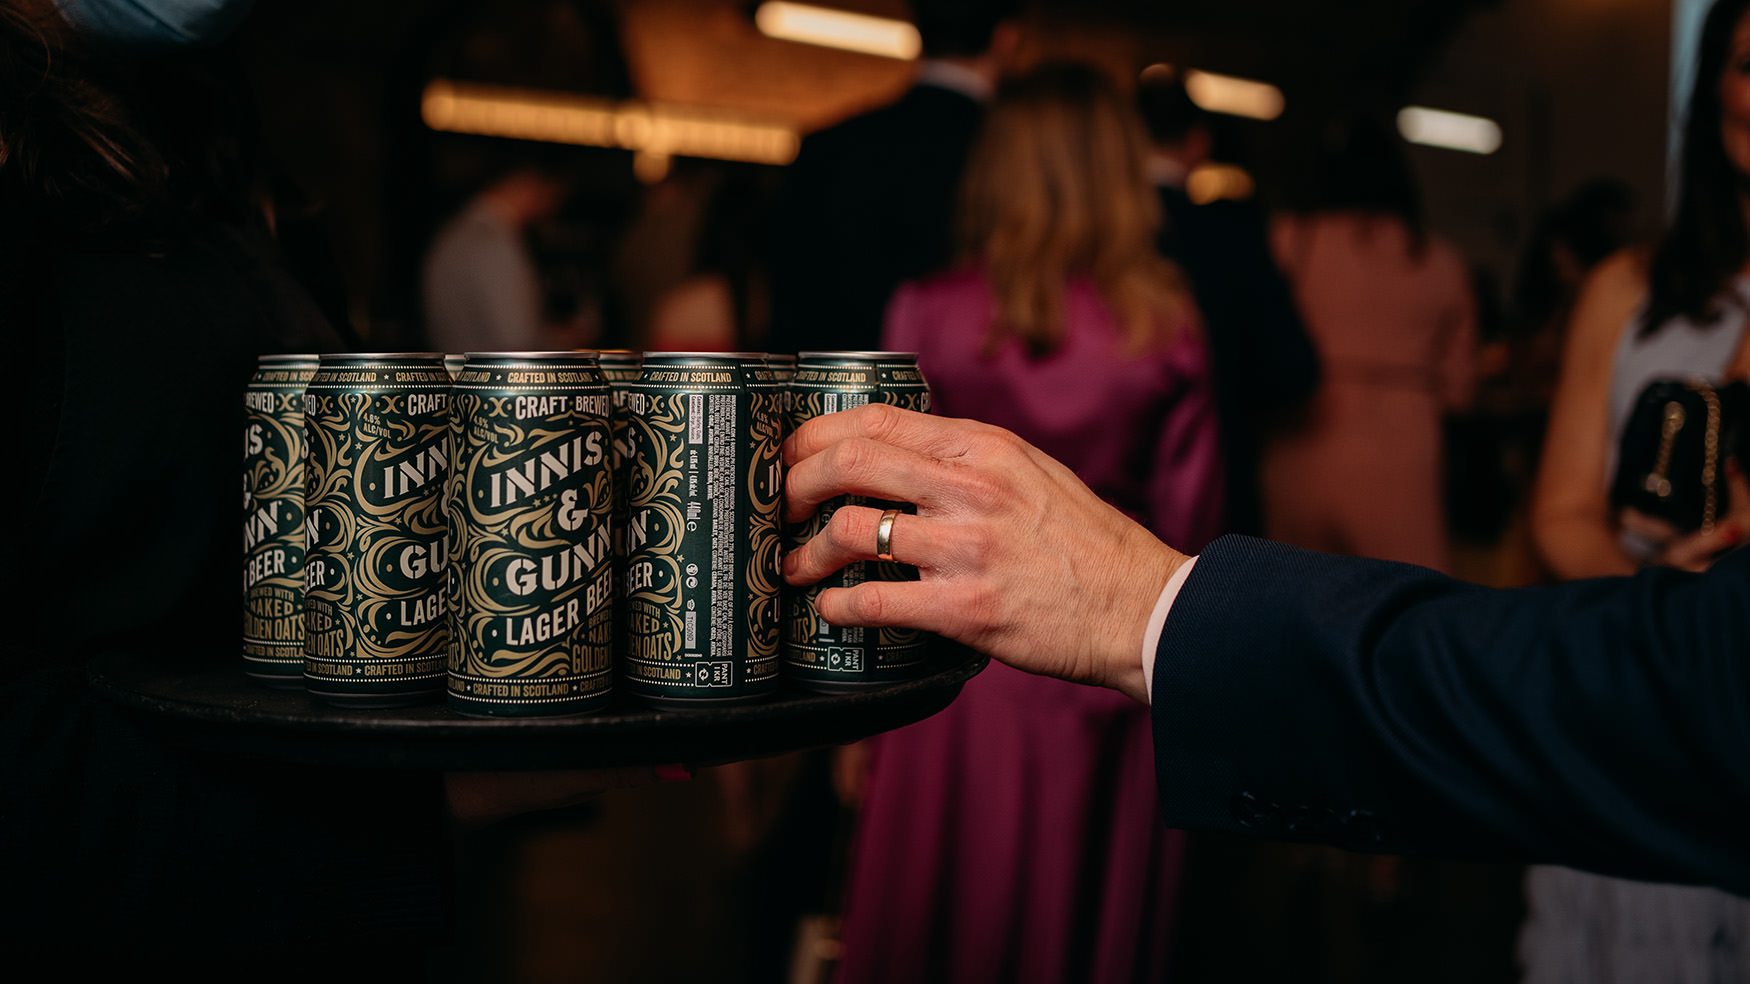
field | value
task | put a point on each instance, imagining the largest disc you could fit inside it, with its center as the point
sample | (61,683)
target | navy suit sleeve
(1603,725)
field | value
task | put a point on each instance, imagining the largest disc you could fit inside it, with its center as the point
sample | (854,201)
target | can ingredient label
(702,570)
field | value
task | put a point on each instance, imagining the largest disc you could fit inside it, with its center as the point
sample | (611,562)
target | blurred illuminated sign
(653,129)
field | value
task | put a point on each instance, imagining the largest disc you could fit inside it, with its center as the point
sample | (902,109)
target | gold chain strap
(1711,448)
(1656,481)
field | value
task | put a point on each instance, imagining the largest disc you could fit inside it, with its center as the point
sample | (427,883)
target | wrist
(1128,660)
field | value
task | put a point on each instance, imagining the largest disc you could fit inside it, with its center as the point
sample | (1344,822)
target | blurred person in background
(481,288)
(1264,362)
(1676,308)
(1392,315)
(868,203)
(722,303)
(1494,449)
(1016,834)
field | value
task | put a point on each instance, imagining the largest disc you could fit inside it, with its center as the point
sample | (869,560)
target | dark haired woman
(1676,309)
(1391,311)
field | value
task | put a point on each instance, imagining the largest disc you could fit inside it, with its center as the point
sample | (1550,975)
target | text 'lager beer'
(273,520)
(531,507)
(375,629)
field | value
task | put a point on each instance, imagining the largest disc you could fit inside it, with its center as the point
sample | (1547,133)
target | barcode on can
(834,402)
(695,418)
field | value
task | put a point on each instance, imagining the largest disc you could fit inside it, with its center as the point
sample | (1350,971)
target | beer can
(620,367)
(783,370)
(531,540)
(375,629)
(818,655)
(702,575)
(273,520)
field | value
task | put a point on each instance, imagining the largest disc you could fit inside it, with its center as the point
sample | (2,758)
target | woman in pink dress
(1391,311)
(1015,836)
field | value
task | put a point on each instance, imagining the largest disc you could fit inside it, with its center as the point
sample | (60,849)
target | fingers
(920,433)
(860,466)
(1696,551)
(850,536)
(937,608)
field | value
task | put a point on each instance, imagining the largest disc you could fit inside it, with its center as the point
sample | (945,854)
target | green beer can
(273,520)
(621,368)
(375,629)
(531,535)
(704,486)
(818,655)
(784,370)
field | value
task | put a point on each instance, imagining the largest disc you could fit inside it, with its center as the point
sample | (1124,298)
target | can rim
(732,356)
(337,356)
(854,354)
(533,354)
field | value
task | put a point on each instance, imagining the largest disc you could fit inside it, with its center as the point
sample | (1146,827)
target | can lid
(288,357)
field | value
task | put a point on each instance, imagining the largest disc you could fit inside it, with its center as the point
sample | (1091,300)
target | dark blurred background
(1578,87)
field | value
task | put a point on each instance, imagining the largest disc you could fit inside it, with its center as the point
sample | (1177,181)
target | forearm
(1380,707)
(1575,547)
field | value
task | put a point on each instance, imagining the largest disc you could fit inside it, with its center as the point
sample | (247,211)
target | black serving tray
(213,704)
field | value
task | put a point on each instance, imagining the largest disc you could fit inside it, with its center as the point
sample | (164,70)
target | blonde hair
(1055,186)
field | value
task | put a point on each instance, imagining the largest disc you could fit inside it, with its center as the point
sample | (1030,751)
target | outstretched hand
(1017,557)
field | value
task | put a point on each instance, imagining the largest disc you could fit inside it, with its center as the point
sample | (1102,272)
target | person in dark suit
(868,202)
(1264,361)
(1298,696)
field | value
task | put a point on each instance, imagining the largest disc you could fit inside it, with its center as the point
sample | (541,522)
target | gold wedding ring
(884,536)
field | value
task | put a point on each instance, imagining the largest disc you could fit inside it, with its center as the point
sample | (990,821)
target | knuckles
(854,462)
(843,530)
(880,420)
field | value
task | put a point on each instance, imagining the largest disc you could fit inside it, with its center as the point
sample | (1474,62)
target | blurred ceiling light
(1159,72)
(838,29)
(1208,182)
(1452,131)
(1233,96)
(660,131)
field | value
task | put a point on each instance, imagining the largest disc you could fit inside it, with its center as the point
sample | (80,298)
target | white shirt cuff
(1157,621)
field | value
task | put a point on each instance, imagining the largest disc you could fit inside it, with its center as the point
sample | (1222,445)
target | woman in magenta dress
(1015,836)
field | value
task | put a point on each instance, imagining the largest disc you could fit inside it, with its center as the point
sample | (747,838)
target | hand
(1697,550)
(1016,557)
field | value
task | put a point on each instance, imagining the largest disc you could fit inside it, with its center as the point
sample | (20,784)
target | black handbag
(1672,461)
